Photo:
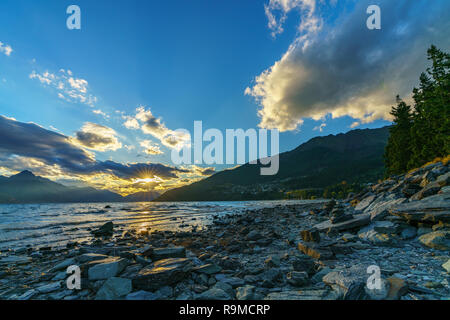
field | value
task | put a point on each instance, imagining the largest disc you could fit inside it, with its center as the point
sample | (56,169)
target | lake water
(39,225)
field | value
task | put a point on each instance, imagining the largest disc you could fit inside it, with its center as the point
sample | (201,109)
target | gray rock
(114,288)
(107,268)
(105,230)
(446,266)
(27,295)
(254,235)
(350,283)
(408,233)
(432,209)
(208,269)
(15,260)
(357,221)
(363,204)
(311,294)
(88,257)
(439,240)
(63,265)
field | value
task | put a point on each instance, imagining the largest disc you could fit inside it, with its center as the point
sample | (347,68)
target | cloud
(320,128)
(101,113)
(97,137)
(20,140)
(344,69)
(68,88)
(5,49)
(149,124)
(150,147)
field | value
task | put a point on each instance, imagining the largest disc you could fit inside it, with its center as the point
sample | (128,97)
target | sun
(148,180)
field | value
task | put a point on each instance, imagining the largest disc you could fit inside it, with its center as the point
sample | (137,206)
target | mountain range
(356,156)
(25,187)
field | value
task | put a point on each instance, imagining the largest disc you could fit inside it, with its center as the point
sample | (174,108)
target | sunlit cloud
(5,49)
(345,69)
(68,87)
(150,147)
(97,137)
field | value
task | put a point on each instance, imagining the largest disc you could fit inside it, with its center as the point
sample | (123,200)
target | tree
(430,132)
(398,150)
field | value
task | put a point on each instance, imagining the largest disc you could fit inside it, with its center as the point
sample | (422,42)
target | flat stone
(50,287)
(63,265)
(114,288)
(208,269)
(432,209)
(446,266)
(165,253)
(214,294)
(315,251)
(107,268)
(363,204)
(88,257)
(142,295)
(28,295)
(247,293)
(309,294)
(380,210)
(161,273)
(297,278)
(357,221)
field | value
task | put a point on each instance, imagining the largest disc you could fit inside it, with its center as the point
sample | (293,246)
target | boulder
(107,268)
(397,288)
(297,279)
(214,294)
(161,273)
(105,230)
(429,190)
(363,204)
(247,293)
(208,269)
(114,288)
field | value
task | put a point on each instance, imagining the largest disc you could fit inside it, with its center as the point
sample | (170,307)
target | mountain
(25,187)
(142,196)
(356,156)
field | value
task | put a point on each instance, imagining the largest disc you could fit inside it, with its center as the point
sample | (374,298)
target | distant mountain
(356,156)
(142,196)
(25,187)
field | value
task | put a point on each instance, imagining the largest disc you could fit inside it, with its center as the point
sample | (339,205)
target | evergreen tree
(398,151)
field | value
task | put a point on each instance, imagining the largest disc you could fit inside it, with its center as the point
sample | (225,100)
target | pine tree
(398,150)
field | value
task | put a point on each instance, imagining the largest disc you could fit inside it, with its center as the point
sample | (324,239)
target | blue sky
(200,60)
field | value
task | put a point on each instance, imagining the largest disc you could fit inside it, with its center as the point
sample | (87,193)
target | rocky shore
(328,250)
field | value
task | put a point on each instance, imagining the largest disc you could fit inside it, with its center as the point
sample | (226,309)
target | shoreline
(314,251)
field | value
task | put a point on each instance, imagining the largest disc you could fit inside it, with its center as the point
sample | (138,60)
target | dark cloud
(97,137)
(32,141)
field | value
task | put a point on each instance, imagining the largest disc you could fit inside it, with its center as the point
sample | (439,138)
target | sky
(100,106)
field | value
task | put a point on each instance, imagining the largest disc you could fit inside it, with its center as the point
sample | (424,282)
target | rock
(320,274)
(363,204)
(114,288)
(304,263)
(225,287)
(161,273)
(439,240)
(214,294)
(408,233)
(208,269)
(234,282)
(297,279)
(311,294)
(446,266)
(370,234)
(165,253)
(272,262)
(142,295)
(107,268)
(88,257)
(432,209)
(429,190)
(357,221)
(397,288)
(380,210)
(443,180)
(311,235)
(27,295)
(315,251)
(63,265)
(105,230)
(351,283)
(15,260)
(254,235)
(50,287)
(246,293)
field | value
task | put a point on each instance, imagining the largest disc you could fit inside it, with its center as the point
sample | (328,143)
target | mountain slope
(142,196)
(25,187)
(322,161)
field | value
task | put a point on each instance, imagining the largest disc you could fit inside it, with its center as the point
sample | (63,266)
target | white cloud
(101,113)
(69,88)
(6,49)
(320,127)
(346,69)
